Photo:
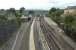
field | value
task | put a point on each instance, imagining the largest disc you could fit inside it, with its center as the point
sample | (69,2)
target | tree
(55,14)
(59,12)
(2,10)
(22,10)
(52,10)
(12,10)
(69,19)
(31,12)
(68,24)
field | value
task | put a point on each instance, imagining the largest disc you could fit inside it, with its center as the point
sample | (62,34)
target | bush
(7,28)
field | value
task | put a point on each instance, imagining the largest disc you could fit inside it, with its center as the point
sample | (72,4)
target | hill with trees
(65,21)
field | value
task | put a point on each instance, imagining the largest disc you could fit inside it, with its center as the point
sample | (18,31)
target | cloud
(29,4)
(62,3)
(36,4)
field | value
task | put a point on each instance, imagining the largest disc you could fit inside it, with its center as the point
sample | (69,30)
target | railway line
(48,36)
(36,28)
(54,43)
(52,40)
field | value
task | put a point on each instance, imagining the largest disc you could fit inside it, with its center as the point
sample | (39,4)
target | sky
(36,4)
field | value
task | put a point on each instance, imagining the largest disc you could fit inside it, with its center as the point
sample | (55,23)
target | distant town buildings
(70,9)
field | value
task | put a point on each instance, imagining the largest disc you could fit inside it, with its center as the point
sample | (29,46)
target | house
(70,9)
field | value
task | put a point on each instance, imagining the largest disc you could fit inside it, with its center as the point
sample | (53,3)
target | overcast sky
(36,4)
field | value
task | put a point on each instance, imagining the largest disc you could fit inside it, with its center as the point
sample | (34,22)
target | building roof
(71,7)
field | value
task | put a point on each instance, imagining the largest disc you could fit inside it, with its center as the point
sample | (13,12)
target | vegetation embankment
(9,23)
(65,21)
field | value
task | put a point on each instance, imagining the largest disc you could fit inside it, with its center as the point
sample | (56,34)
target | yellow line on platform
(31,40)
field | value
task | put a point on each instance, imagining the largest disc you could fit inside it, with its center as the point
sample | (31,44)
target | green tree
(12,10)
(2,10)
(22,10)
(59,12)
(55,14)
(52,10)
(68,23)
(69,19)
(31,12)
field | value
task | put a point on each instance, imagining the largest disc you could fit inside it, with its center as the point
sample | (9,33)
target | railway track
(54,41)
(48,36)
(38,44)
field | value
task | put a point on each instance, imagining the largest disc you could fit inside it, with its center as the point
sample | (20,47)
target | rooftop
(71,7)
